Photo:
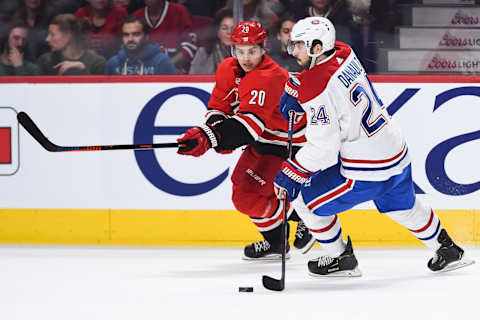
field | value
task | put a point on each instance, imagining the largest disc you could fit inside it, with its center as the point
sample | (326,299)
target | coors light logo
(464,19)
(439,63)
(449,40)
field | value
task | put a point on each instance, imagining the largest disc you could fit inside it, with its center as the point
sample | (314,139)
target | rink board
(200,228)
(161,198)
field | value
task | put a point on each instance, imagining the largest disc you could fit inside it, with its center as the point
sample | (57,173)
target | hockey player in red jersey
(354,153)
(243,111)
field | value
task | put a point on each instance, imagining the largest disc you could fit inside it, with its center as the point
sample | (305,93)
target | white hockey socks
(325,229)
(421,221)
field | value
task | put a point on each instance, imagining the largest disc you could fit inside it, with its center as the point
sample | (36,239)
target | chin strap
(313,60)
(315,56)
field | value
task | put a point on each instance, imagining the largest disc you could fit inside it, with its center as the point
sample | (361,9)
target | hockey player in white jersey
(354,153)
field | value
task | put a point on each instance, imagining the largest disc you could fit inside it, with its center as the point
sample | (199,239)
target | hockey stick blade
(35,132)
(27,122)
(273,284)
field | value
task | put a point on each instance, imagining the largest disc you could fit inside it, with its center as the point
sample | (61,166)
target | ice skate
(449,256)
(304,240)
(263,250)
(345,265)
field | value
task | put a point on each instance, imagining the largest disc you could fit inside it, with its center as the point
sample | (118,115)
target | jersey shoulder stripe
(314,82)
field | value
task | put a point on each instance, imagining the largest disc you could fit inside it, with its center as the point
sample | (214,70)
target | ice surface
(119,283)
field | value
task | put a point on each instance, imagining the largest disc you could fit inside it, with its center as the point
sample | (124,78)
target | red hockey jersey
(253,100)
(106,40)
(173,31)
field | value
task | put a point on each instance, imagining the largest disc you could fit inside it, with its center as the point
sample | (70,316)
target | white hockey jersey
(347,122)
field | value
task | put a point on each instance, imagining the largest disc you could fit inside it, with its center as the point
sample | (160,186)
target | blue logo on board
(148,163)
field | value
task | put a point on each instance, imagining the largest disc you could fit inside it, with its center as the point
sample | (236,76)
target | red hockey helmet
(248,32)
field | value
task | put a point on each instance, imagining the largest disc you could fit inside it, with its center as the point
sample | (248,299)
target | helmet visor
(292,45)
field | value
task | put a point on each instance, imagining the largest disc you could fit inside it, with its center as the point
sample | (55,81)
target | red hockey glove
(197,140)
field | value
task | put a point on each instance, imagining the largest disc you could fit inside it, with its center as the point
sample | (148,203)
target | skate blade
(464,262)
(339,274)
(309,246)
(270,257)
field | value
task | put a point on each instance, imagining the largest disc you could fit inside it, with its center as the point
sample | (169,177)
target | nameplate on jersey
(350,72)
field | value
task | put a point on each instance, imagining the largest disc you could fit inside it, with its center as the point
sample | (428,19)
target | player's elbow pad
(233,134)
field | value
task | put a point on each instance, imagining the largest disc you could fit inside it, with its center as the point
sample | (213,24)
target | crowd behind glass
(94,37)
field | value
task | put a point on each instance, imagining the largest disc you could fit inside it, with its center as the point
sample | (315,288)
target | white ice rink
(116,283)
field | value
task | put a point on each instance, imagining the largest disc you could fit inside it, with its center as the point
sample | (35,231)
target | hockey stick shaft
(269,282)
(291,120)
(27,122)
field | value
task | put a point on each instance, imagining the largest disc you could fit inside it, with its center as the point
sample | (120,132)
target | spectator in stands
(385,16)
(67,6)
(138,56)
(7,7)
(322,8)
(36,14)
(360,31)
(337,12)
(203,8)
(106,21)
(276,6)
(130,5)
(218,47)
(294,8)
(13,46)
(69,56)
(257,10)
(171,27)
(279,43)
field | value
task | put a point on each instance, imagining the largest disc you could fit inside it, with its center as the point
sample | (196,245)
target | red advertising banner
(5,145)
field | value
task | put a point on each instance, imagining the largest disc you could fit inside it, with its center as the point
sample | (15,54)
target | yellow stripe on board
(200,227)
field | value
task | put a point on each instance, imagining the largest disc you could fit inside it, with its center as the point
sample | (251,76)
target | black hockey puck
(245,289)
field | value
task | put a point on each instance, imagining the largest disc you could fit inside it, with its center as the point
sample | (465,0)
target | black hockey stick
(35,132)
(269,282)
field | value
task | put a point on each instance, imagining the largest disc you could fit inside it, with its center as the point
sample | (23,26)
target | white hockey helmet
(310,29)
